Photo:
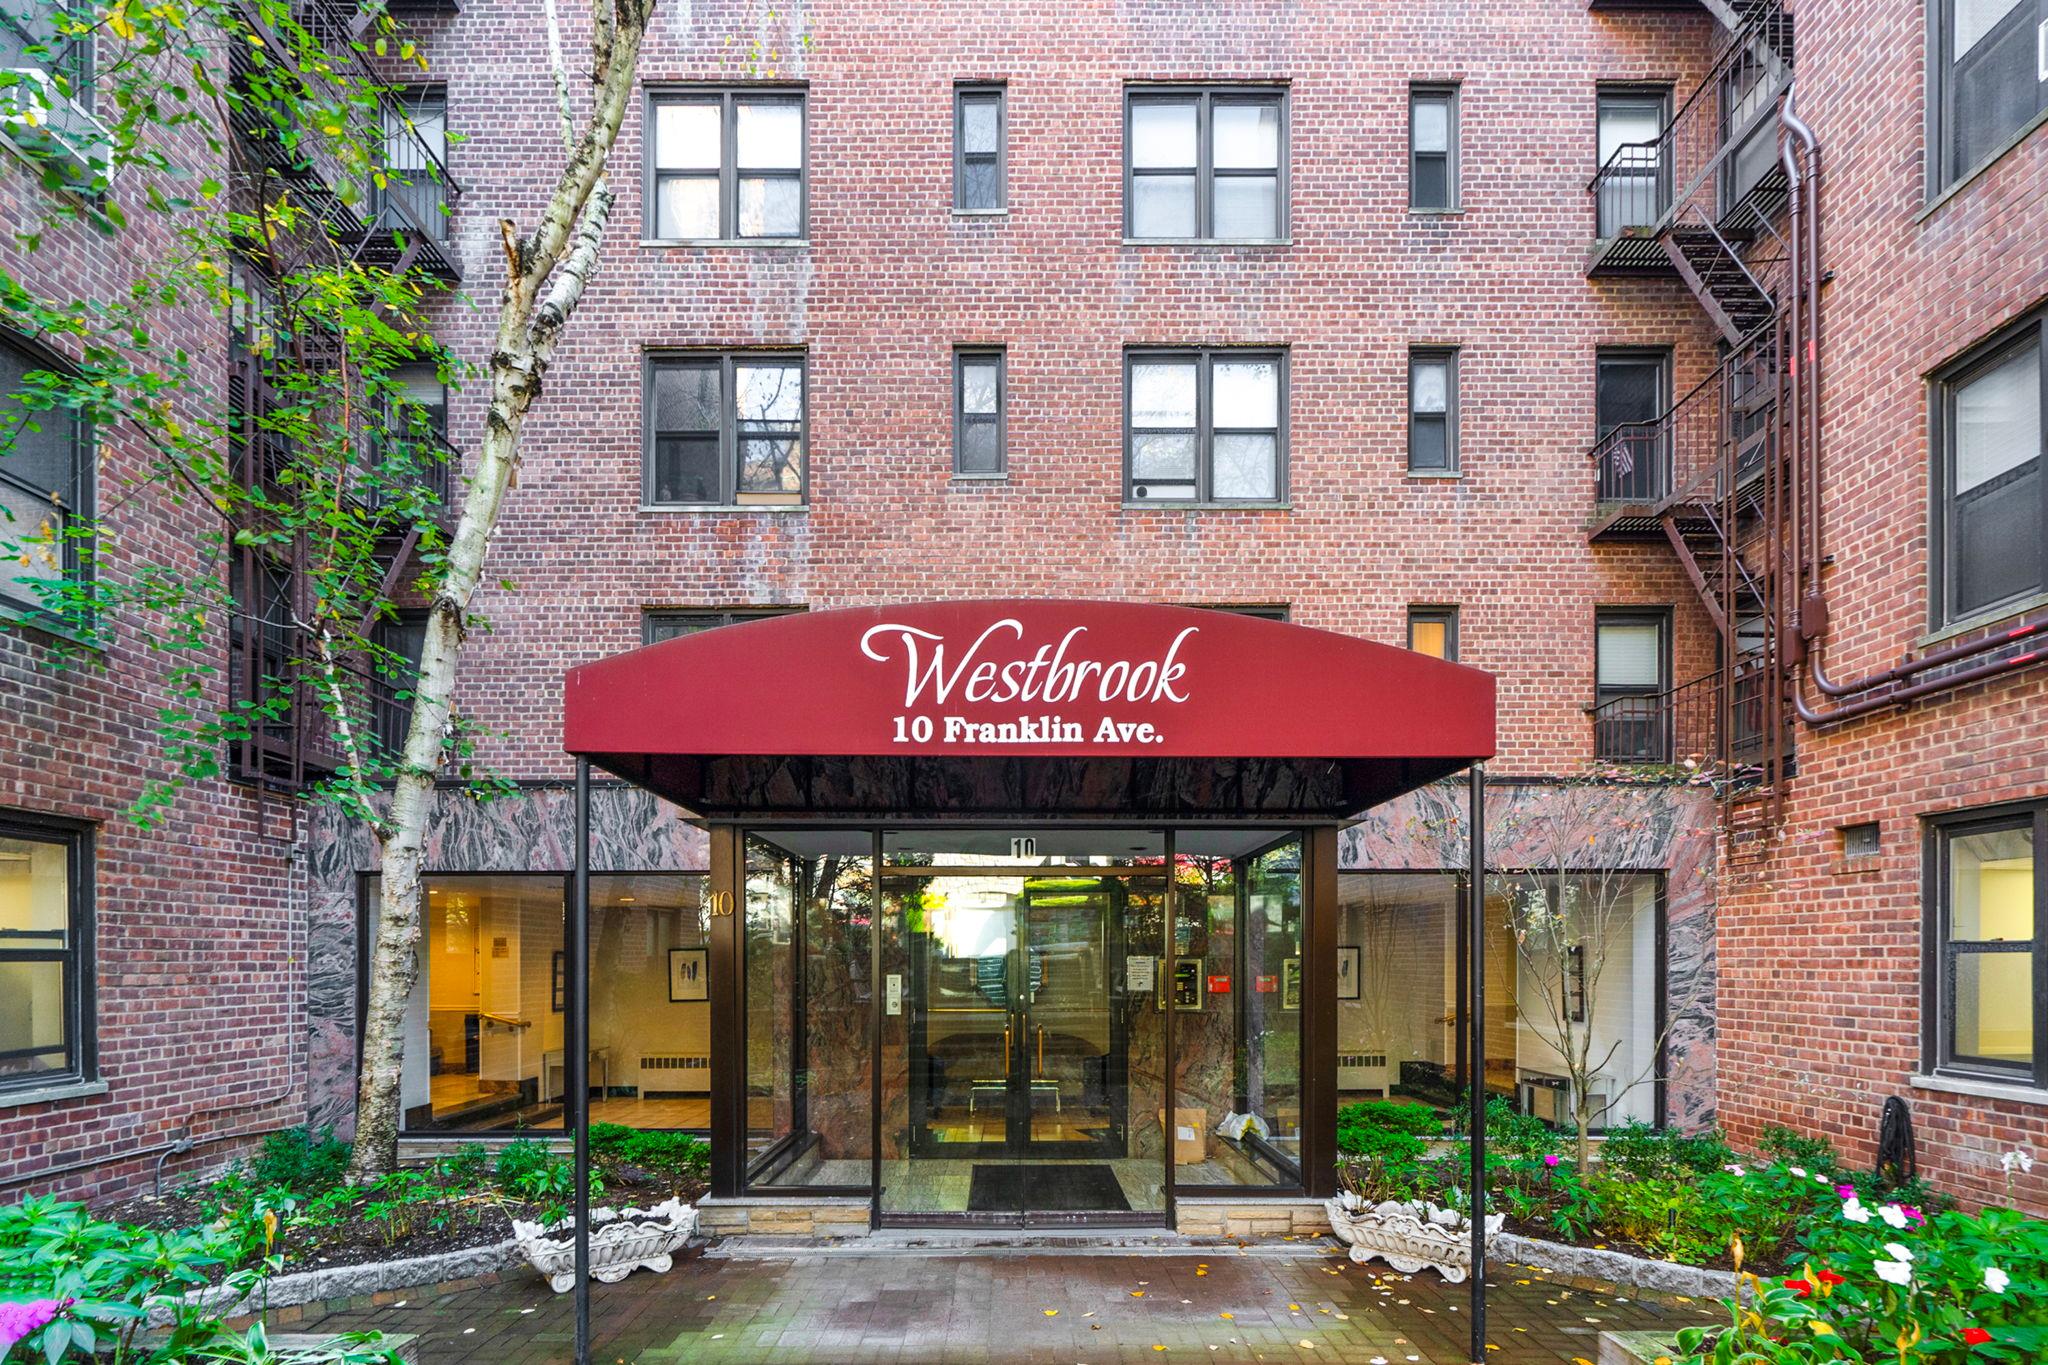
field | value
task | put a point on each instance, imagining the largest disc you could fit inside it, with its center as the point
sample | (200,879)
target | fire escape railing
(401,224)
(1715,162)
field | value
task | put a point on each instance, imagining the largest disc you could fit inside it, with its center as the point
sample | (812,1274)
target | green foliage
(1636,1151)
(107,1277)
(1418,1120)
(1793,1148)
(467,1167)
(1951,1287)
(519,1161)
(300,1161)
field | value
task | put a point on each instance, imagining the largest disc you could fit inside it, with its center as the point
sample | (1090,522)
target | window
(980,401)
(415,195)
(30,41)
(1433,147)
(1205,165)
(45,483)
(1433,412)
(1276,611)
(1434,631)
(725,430)
(659,625)
(1631,390)
(726,166)
(487,1021)
(1205,426)
(406,637)
(1991,64)
(1991,490)
(980,137)
(46,980)
(414,431)
(1632,671)
(1632,190)
(1986,968)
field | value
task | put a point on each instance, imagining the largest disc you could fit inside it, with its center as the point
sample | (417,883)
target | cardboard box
(1190,1136)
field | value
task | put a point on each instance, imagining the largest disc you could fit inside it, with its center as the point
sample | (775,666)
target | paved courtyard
(975,1307)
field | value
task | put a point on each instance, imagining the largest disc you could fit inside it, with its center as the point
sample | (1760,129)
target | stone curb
(355,1281)
(1616,1267)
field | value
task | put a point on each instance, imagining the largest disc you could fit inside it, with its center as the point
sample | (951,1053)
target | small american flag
(1624,459)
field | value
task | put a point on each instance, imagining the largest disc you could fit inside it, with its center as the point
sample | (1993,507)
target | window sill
(1164,506)
(771,243)
(1414,212)
(980,480)
(1434,475)
(18,616)
(1210,241)
(1975,173)
(1982,620)
(728,508)
(981,213)
(1980,1089)
(61,1090)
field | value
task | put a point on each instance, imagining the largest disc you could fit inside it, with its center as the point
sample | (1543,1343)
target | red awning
(1098,706)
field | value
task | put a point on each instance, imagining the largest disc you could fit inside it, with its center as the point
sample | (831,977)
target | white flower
(1734,1170)
(1897,1252)
(1853,1210)
(2018,1159)
(1995,1279)
(1893,1215)
(1896,1272)
(1820,1179)
(1799,1171)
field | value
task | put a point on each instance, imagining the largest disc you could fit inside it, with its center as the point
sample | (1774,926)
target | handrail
(1686,458)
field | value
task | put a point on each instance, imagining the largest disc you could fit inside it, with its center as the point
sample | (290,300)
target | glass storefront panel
(1569,965)
(807,954)
(485,1025)
(1236,991)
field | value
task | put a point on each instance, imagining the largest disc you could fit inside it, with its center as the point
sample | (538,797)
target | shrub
(1637,1151)
(300,1161)
(1794,1148)
(519,1161)
(465,1167)
(1416,1119)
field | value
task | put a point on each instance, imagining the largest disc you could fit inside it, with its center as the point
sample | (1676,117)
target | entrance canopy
(1054,706)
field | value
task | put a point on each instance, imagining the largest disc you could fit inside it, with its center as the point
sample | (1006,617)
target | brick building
(1458,329)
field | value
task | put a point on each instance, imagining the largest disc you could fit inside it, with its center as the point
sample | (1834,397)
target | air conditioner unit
(50,126)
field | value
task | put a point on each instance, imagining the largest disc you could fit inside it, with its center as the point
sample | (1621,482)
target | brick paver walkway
(975,1308)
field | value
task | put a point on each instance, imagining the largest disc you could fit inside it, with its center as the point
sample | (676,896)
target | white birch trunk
(529,325)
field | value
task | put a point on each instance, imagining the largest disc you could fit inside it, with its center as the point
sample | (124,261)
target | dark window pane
(978,448)
(980,185)
(1996,87)
(1629,391)
(1997,540)
(686,469)
(1428,442)
(36,448)
(686,398)
(1432,182)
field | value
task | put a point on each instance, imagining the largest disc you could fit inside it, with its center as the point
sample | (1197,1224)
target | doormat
(1079,1189)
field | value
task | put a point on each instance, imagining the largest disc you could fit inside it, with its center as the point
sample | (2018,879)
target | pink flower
(1846,1191)
(18,1320)
(1551,1161)
(1914,1214)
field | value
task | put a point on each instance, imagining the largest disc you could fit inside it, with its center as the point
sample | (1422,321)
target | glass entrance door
(1020,1021)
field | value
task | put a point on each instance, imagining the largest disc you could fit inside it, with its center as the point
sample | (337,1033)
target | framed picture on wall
(1290,984)
(689,975)
(558,992)
(1347,973)
(1187,983)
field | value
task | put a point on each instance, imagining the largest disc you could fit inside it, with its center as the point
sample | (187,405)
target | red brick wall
(200,923)
(1820,994)
(891,282)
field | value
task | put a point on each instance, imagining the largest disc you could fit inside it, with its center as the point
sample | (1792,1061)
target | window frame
(962,357)
(81,1013)
(1661,358)
(730,172)
(728,426)
(2030,331)
(711,618)
(965,92)
(1453,465)
(15,600)
(1205,430)
(1661,618)
(1446,93)
(1937,949)
(1206,98)
(1446,616)
(1943,174)
(1661,191)
(405,100)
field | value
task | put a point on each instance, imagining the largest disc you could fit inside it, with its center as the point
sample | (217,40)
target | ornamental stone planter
(1408,1236)
(621,1241)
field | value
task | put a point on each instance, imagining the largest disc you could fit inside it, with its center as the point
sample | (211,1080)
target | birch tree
(251,163)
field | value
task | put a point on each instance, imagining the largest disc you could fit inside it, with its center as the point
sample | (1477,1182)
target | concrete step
(1015,1242)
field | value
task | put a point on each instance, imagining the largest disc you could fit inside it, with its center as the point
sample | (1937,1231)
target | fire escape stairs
(1707,259)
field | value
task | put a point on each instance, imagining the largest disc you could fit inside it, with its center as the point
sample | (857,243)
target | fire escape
(1706,200)
(399,227)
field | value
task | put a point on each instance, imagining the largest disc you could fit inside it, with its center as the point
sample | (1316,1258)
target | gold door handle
(1041,1052)
(1006,1049)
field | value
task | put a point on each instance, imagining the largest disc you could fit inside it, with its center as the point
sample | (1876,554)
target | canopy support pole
(1475,1050)
(576,1062)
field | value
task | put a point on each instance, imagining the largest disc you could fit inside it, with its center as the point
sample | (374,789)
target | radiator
(1363,1071)
(687,1072)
